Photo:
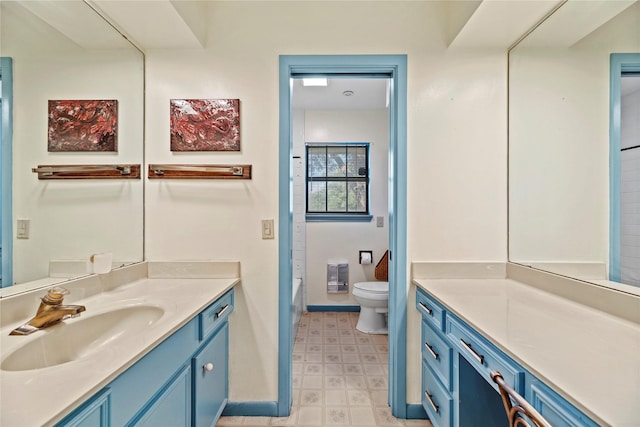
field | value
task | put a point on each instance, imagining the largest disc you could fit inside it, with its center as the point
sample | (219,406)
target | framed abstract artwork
(205,124)
(83,125)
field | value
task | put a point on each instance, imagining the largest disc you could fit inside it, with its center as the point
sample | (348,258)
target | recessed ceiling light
(347,93)
(315,81)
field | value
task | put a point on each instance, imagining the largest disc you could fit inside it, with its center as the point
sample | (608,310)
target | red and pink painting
(83,125)
(205,125)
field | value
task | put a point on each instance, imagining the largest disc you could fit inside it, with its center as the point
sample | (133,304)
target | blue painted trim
(285,246)
(398,241)
(338,308)
(619,62)
(338,218)
(255,409)
(415,411)
(6,64)
(385,66)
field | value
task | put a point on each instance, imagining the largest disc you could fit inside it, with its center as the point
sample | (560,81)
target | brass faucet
(50,312)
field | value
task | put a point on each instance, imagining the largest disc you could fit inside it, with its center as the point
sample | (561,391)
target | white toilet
(373,298)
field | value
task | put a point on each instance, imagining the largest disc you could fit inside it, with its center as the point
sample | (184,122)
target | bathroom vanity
(151,351)
(576,365)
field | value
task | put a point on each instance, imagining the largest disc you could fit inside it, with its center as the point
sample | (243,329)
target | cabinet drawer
(437,353)
(557,411)
(215,314)
(435,399)
(431,311)
(482,355)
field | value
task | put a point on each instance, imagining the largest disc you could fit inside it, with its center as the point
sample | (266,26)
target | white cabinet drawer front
(435,399)
(483,356)
(431,311)
(437,353)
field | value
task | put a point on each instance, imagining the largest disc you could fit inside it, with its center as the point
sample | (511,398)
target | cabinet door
(93,413)
(172,405)
(557,411)
(210,379)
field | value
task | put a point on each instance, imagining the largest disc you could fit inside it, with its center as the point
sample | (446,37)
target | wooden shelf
(125,171)
(164,171)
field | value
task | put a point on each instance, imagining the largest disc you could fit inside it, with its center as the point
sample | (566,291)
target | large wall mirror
(64,50)
(572,210)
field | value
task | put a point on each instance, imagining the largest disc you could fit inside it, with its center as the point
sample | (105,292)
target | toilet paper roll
(365,258)
(101,263)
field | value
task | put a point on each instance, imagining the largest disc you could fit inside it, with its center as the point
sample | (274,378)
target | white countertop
(45,396)
(589,357)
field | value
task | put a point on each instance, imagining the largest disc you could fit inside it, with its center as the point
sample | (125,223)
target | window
(338,182)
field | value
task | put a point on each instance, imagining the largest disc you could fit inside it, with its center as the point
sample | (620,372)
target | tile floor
(339,377)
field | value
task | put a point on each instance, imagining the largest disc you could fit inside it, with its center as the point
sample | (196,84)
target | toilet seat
(373,287)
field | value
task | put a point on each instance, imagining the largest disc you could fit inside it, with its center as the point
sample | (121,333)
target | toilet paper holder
(365,257)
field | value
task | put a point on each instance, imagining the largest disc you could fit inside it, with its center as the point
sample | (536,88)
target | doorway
(394,68)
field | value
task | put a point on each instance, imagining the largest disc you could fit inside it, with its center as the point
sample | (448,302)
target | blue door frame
(619,63)
(6,70)
(393,67)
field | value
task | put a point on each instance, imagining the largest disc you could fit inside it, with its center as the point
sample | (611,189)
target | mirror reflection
(574,176)
(63,50)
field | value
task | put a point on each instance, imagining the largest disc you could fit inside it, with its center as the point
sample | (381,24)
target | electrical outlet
(22,229)
(267,229)
(379,221)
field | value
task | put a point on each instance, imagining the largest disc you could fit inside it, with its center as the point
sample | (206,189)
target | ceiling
(181,24)
(574,21)
(367,94)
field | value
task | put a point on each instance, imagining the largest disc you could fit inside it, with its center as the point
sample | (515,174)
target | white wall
(559,146)
(456,159)
(344,240)
(71,219)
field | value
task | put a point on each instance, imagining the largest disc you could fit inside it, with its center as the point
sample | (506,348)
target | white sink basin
(80,337)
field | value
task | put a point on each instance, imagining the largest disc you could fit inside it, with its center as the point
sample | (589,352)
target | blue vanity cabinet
(553,407)
(432,312)
(484,356)
(457,388)
(436,400)
(210,379)
(181,382)
(94,412)
(437,363)
(172,405)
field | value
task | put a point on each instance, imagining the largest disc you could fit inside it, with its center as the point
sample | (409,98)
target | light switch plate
(22,229)
(267,229)
(379,221)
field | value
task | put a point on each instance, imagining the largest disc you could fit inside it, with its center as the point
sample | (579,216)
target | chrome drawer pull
(222,310)
(425,308)
(478,357)
(433,404)
(433,353)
